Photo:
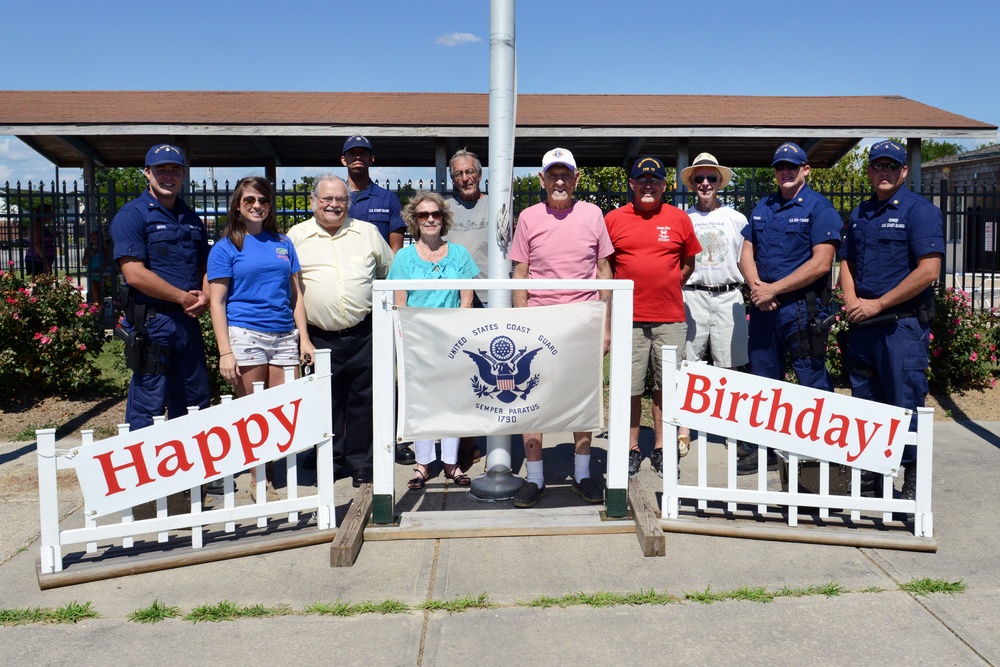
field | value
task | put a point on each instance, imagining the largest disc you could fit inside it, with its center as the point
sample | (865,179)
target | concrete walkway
(889,627)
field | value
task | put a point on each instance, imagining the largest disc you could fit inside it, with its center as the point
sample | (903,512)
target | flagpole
(499,483)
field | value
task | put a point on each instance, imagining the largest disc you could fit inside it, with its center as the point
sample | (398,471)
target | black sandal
(417,481)
(458,478)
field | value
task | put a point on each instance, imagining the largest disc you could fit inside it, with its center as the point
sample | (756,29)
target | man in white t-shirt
(713,301)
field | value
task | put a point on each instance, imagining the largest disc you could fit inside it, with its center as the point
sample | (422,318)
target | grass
(339,608)
(154,613)
(112,376)
(456,605)
(69,613)
(230,611)
(927,586)
(830,589)
(743,593)
(28,433)
(604,599)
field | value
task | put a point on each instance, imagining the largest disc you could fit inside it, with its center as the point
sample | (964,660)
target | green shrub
(48,336)
(216,383)
(963,351)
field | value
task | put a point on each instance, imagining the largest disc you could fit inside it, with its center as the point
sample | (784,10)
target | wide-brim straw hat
(707,160)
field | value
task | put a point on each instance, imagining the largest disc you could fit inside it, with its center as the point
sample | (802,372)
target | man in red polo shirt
(655,246)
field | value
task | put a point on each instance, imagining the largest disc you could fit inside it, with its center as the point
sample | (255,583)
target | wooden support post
(351,533)
(647,523)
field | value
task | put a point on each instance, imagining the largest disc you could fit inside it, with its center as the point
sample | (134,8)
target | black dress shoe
(362,476)
(405,455)
(748,464)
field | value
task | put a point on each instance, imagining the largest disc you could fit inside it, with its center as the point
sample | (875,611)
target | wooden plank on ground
(351,533)
(499,523)
(834,535)
(179,556)
(647,521)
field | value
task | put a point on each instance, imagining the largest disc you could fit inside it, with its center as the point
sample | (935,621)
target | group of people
(276,298)
(689,269)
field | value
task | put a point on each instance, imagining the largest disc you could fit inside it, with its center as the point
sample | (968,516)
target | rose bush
(49,337)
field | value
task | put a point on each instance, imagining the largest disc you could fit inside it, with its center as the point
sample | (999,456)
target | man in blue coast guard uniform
(787,257)
(378,206)
(891,255)
(161,246)
(369,202)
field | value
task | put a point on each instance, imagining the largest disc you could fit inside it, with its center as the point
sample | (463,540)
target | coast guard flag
(465,371)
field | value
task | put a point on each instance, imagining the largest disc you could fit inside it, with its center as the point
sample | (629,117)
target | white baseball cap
(558,156)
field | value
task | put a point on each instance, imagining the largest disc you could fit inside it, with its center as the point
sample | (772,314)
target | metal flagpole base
(499,484)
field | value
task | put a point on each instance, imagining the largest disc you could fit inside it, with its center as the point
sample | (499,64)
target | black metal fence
(67,214)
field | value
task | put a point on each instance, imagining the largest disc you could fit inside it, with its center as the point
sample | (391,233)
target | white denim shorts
(255,348)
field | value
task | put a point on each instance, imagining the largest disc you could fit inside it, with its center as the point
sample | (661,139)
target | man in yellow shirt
(340,257)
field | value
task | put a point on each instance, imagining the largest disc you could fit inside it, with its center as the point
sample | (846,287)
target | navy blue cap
(164,154)
(889,149)
(789,152)
(357,141)
(649,166)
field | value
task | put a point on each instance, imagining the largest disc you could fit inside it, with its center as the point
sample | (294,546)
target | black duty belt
(715,289)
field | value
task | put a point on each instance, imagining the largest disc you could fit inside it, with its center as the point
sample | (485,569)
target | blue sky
(941,54)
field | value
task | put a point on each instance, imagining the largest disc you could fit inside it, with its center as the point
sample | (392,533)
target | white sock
(535,473)
(581,468)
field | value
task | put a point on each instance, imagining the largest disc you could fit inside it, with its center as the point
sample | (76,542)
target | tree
(931,149)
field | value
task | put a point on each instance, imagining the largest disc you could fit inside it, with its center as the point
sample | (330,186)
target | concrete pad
(520,569)
(973,615)
(363,640)
(875,629)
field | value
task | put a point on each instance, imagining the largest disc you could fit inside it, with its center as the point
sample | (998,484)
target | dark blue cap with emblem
(164,154)
(357,141)
(649,166)
(789,152)
(887,149)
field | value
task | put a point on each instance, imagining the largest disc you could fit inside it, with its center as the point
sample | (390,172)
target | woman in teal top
(428,218)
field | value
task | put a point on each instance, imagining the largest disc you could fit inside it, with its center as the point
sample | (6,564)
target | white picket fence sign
(122,525)
(792,500)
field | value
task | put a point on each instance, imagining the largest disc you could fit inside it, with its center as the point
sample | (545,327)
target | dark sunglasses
(711,178)
(786,166)
(424,215)
(885,166)
(250,199)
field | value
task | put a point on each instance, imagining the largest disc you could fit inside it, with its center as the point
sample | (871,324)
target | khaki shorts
(254,348)
(647,339)
(716,321)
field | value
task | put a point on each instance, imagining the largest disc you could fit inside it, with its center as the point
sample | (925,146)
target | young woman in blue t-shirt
(255,293)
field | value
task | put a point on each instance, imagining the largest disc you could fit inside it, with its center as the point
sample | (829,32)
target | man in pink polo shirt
(560,238)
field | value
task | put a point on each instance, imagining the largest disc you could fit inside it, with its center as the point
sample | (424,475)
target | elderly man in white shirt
(340,257)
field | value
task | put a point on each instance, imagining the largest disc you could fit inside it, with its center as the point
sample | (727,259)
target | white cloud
(20,164)
(457,39)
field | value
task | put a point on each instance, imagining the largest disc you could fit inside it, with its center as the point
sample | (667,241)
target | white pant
(424,451)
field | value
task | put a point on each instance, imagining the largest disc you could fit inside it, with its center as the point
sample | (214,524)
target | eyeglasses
(424,215)
(326,201)
(885,166)
(649,180)
(786,166)
(250,200)
(711,178)
(471,173)
(556,176)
